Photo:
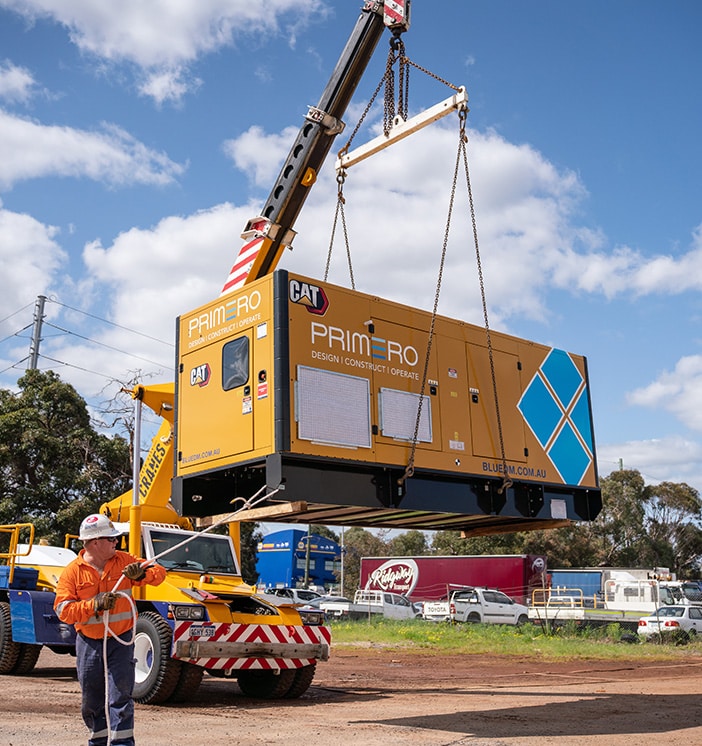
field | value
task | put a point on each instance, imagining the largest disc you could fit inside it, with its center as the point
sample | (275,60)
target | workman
(87,589)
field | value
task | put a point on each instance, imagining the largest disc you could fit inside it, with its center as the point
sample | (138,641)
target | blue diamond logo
(555,407)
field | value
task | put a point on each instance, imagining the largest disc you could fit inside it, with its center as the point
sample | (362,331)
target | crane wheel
(266,684)
(188,682)
(302,681)
(156,674)
(9,649)
(27,658)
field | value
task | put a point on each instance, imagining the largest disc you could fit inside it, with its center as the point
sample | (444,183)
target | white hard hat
(97,526)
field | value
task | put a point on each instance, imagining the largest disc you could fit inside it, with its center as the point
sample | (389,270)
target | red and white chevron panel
(244,261)
(207,632)
(394,12)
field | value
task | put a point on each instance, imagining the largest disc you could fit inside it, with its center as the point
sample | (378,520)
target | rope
(107,631)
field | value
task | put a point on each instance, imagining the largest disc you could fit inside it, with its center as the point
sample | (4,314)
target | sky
(136,140)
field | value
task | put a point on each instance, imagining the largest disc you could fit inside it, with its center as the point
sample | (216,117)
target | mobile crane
(203,617)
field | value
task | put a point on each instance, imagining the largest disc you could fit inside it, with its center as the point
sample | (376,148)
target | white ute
(477,605)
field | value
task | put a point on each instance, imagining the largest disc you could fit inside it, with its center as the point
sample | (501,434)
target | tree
(359,543)
(452,543)
(324,531)
(570,546)
(54,467)
(251,535)
(672,518)
(619,533)
(409,544)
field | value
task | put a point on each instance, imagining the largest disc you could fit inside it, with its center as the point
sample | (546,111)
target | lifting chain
(396,54)
(461,155)
(506,481)
(340,202)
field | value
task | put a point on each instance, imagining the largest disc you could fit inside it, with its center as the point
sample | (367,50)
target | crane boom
(266,235)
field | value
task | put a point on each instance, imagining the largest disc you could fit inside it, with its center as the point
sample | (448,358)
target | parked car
(476,605)
(294,595)
(390,605)
(321,602)
(670,619)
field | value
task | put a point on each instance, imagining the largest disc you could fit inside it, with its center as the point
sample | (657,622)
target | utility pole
(36,332)
(307,557)
(343,551)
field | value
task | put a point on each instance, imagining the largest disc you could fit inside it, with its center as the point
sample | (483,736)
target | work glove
(104,601)
(134,571)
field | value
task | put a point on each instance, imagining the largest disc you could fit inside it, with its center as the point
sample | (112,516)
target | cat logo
(200,376)
(309,295)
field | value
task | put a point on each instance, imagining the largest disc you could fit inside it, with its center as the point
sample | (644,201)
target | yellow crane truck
(203,617)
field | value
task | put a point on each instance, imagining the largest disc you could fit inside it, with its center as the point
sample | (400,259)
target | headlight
(312,618)
(193,613)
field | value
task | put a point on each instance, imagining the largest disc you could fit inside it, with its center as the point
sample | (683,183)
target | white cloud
(168,85)
(259,155)
(163,37)
(671,459)
(16,83)
(397,206)
(678,391)
(29,259)
(182,262)
(30,150)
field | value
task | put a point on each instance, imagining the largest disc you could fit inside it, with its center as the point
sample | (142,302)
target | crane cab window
(235,363)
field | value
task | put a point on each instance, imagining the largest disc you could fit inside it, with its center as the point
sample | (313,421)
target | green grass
(528,641)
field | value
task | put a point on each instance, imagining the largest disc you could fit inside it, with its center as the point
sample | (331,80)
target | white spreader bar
(401,129)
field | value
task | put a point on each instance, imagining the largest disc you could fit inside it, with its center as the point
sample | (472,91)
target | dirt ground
(374,696)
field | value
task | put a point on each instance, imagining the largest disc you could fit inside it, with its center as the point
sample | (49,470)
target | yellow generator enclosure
(316,390)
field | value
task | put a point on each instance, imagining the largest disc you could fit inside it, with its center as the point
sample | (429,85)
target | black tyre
(188,682)
(523,619)
(301,682)
(27,658)
(473,618)
(9,649)
(266,684)
(157,674)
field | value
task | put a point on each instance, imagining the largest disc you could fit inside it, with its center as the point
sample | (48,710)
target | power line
(14,313)
(111,323)
(78,367)
(16,334)
(19,362)
(102,344)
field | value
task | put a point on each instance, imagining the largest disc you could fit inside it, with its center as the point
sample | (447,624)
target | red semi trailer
(431,578)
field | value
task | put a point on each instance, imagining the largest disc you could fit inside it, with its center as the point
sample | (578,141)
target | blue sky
(137,138)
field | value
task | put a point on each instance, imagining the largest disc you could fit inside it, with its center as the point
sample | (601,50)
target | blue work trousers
(120,683)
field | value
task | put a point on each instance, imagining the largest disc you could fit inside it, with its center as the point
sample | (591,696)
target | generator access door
(483,411)
(216,403)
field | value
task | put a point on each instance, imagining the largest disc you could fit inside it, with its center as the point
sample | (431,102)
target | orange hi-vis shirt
(80,583)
